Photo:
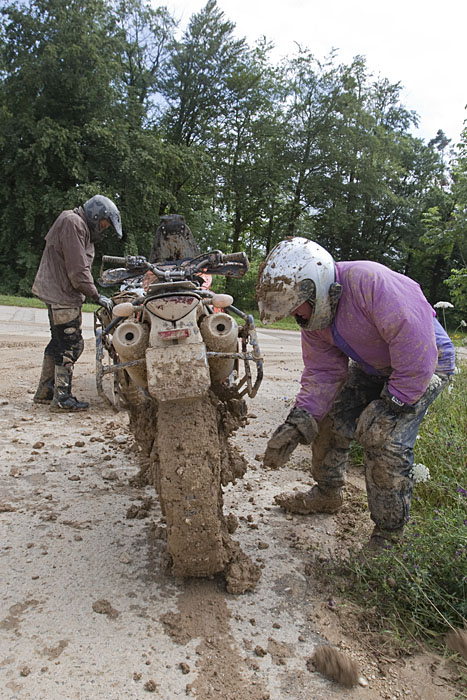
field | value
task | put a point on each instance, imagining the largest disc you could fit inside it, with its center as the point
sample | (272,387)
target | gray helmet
(98,208)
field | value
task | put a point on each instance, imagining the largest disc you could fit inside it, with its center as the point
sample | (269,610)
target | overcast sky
(419,43)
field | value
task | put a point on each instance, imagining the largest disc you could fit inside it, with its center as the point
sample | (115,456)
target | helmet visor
(277,303)
(272,308)
(114,218)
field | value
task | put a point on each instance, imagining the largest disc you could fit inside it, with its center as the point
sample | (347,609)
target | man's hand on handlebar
(105,302)
(135,262)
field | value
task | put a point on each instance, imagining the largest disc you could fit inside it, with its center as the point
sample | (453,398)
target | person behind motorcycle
(63,280)
(375,358)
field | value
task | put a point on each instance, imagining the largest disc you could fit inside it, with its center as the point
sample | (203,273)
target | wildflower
(419,473)
(463,324)
(461,491)
(444,305)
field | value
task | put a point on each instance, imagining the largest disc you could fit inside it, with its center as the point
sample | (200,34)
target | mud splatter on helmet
(295,271)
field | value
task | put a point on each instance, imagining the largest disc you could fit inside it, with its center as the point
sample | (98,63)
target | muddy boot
(45,390)
(383,540)
(317,500)
(63,400)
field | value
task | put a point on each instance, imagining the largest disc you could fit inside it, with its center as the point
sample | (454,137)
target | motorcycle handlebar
(235,257)
(113,260)
(214,262)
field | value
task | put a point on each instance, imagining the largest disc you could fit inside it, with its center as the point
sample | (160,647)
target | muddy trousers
(65,347)
(66,343)
(387,440)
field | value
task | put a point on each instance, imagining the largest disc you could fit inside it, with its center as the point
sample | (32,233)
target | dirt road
(88,610)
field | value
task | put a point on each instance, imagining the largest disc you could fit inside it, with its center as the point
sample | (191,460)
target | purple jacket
(384,322)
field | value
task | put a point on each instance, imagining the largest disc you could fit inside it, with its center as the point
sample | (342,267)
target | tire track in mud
(203,617)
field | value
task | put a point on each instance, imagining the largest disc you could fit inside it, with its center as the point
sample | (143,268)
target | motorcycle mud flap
(177,371)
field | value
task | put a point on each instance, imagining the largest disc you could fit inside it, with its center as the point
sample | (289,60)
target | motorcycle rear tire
(188,481)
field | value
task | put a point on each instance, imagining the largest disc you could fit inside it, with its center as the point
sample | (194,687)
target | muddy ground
(88,610)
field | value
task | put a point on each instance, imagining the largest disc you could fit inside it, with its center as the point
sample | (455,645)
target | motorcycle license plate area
(177,371)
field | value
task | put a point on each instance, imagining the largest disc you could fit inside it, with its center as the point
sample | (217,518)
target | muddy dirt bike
(181,369)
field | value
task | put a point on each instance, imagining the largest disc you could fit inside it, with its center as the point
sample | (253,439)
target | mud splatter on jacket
(64,275)
(384,322)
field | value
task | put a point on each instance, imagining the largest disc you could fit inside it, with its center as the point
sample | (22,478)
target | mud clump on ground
(335,666)
(457,641)
(241,574)
(103,607)
(139,511)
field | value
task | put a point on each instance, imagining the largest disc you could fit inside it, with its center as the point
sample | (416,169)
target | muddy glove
(375,425)
(299,427)
(105,302)
(135,262)
(394,404)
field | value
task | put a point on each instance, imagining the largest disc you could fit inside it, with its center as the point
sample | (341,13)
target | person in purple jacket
(375,358)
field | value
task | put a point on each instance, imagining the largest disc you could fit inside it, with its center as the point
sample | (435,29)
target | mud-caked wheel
(188,481)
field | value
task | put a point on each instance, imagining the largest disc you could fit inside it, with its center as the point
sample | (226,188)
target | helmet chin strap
(335,293)
(96,234)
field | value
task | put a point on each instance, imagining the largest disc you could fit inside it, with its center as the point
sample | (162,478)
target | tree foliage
(108,97)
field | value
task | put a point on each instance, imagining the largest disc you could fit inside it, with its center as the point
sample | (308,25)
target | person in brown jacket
(63,280)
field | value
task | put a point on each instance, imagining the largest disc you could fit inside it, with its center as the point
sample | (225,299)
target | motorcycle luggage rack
(248,333)
(102,370)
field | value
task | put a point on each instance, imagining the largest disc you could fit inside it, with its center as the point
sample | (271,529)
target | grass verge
(33,302)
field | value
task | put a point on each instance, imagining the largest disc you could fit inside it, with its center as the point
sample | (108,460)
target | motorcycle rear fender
(189,322)
(177,372)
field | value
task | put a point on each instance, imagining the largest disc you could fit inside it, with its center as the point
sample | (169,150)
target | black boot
(45,390)
(63,400)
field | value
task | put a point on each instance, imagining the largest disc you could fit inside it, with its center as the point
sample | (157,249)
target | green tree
(245,149)
(194,88)
(457,280)
(57,121)
(358,175)
(147,39)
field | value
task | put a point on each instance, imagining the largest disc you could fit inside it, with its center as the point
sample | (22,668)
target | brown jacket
(64,275)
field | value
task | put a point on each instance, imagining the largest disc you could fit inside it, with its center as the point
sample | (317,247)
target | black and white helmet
(98,208)
(295,271)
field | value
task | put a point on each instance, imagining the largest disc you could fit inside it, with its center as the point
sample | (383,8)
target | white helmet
(295,271)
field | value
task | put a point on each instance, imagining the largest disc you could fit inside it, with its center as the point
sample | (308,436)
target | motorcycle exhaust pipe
(220,334)
(130,340)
